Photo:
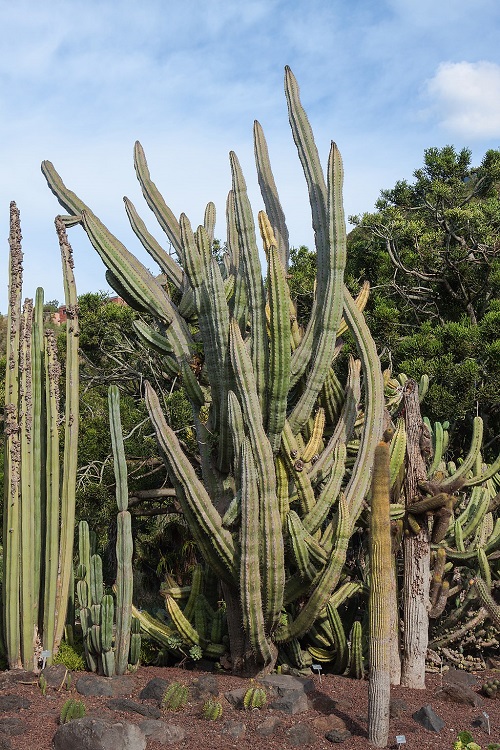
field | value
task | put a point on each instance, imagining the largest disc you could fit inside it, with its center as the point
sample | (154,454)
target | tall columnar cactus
(379,614)
(35,499)
(275,509)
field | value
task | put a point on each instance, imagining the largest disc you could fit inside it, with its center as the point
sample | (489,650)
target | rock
(459,677)
(338,736)
(397,707)
(206,686)
(162,732)
(12,726)
(290,691)
(55,675)
(130,706)
(427,718)
(324,704)
(328,723)
(292,703)
(268,727)
(154,690)
(234,729)
(5,743)
(280,684)
(11,702)
(108,687)
(235,697)
(459,694)
(300,735)
(98,734)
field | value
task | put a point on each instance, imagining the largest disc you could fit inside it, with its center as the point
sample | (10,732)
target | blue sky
(81,81)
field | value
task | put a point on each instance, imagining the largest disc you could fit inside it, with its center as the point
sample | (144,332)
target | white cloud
(466,97)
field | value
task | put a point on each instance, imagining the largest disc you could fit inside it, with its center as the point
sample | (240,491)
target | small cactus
(255,697)
(212,709)
(175,697)
(490,688)
(72,709)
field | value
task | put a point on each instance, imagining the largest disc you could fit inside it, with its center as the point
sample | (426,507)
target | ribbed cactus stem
(379,616)
(11,522)
(68,485)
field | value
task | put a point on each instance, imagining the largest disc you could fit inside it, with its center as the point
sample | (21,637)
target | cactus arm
(272,540)
(295,467)
(11,521)
(52,375)
(374,399)
(249,258)
(209,221)
(360,301)
(250,581)
(270,194)
(342,653)
(344,426)
(492,469)
(124,544)
(279,359)
(470,459)
(38,444)
(27,489)
(398,451)
(205,522)
(315,518)
(309,158)
(71,411)
(165,261)
(438,447)
(487,600)
(135,278)
(331,266)
(315,442)
(300,550)
(237,429)
(154,199)
(239,306)
(124,585)
(326,582)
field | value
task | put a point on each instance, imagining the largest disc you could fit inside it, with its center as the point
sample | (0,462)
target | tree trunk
(416,550)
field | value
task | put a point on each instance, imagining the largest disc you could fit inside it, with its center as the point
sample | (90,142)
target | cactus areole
(273,508)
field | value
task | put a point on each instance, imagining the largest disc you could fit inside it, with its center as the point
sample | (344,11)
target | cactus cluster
(111,636)
(490,688)
(39,497)
(279,495)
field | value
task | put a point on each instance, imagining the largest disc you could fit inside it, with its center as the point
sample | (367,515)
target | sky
(81,81)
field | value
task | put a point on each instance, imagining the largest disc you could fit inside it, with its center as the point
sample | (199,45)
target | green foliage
(70,656)
(465,741)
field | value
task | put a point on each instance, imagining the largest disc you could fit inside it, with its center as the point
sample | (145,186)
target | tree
(431,252)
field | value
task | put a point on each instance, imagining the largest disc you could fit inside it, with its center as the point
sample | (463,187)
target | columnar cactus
(103,651)
(273,448)
(380,584)
(36,497)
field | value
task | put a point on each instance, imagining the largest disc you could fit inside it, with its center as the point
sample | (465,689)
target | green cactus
(175,697)
(212,709)
(72,709)
(356,661)
(255,697)
(380,585)
(270,484)
(39,504)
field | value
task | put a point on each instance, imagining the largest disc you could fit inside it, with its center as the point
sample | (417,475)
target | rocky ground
(300,712)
